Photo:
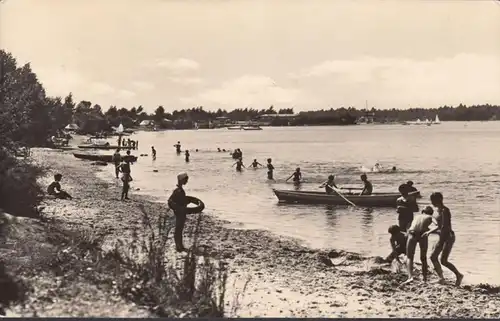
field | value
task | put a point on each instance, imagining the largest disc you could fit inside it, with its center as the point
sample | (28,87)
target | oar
(340,194)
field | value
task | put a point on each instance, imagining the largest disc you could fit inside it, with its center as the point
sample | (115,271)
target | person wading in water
(255,164)
(186,156)
(153,152)
(178,203)
(117,159)
(406,205)
(239,164)
(270,169)
(417,234)
(178,147)
(297,176)
(446,239)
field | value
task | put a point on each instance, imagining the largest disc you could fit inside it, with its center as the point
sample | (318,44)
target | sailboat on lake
(436,121)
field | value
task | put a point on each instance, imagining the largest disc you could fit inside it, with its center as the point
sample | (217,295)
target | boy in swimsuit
(297,176)
(446,239)
(126,178)
(368,188)
(178,203)
(329,184)
(255,163)
(239,164)
(417,233)
(270,169)
(398,243)
(406,205)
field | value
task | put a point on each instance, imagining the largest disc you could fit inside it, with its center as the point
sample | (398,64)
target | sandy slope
(286,278)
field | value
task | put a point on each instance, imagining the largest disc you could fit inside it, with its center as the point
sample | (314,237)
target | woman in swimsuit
(446,239)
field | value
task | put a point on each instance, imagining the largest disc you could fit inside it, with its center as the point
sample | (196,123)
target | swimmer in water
(446,239)
(186,156)
(218,149)
(297,176)
(178,147)
(418,233)
(329,184)
(239,165)
(255,164)
(270,169)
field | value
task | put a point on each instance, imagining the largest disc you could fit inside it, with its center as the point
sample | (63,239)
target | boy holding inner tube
(178,203)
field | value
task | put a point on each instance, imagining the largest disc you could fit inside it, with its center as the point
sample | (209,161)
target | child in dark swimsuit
(270,169)
(255,164)
(239,165)
(54,188)
(297,176)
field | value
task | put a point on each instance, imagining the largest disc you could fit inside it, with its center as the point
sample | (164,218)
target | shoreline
(287,278)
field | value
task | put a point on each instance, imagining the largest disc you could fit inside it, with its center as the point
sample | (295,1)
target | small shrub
(19,191)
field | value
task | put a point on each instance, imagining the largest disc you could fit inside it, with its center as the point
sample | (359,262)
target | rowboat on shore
(310,197)
(105,147)
(103,158)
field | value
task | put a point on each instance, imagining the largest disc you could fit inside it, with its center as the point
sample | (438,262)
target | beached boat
(235,127)
(309,197)
(105,147)
(102,158)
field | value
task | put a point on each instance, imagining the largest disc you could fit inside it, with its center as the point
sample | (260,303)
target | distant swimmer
(218,149)
(329,185)
(398,243)
(178,147)
(186,156)
(239,165)
(377,168)
(297,176)
(196,150)
(255,164)
(368,188)
(393,168)
(153,152)
(417,233)
(446,239)
(270,169)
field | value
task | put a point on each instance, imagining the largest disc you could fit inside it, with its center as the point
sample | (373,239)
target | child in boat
(446,239)
(329,184)
(54,188)
(398,243)
(368,187)
(270,169)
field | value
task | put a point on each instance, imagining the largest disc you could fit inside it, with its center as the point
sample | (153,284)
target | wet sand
(285,278)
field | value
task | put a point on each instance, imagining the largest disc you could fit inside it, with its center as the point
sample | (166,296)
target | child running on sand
(417,233)
(54,188)
(446,239)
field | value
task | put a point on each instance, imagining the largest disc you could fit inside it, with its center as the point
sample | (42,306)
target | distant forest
(27,114)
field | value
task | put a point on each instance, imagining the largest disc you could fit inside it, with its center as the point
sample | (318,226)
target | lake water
(461,160)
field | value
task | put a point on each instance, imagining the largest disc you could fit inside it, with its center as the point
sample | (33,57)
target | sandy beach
(285,278)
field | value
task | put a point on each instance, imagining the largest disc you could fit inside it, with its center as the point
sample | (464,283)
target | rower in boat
(329,184)
(297,176)
(255,164)
(368,188)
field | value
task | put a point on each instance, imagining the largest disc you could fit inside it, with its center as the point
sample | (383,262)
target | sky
(305,54)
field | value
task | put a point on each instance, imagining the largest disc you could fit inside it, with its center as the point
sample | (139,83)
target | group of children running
(413,230)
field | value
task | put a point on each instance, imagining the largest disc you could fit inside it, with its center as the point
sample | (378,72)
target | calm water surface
(459,159)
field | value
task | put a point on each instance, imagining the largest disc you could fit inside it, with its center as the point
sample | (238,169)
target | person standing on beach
(406,205)
(136,144)
(153,152)
(178,203)
(418,233)
(117,159)
(126,178)
(446,239)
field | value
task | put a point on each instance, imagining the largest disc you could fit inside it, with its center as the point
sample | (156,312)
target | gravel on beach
(285,278)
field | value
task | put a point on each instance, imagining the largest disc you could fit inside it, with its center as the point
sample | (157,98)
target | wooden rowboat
(309,197)
(103,158)
(106,147)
